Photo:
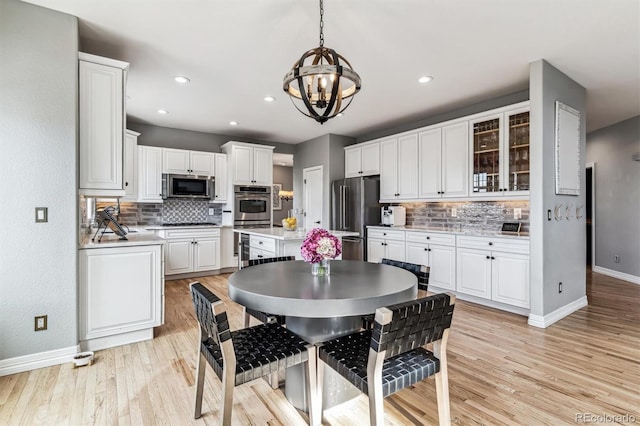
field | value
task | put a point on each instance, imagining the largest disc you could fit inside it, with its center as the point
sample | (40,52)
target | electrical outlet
(40,323)
(517,213)
(560,287)
(41,214)
(454,212)
(210,211)
(616,259)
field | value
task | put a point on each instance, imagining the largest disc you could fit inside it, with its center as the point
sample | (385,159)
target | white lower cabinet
(439,257)
(121,295)
(495,269)
(191,250)
(382,243)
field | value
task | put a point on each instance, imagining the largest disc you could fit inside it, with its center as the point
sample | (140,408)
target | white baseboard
(546,320)
(37,360)
(615,274)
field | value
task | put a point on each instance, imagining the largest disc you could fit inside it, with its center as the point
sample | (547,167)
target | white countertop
(467,232)
(112,240)
(282,234)
(159,227)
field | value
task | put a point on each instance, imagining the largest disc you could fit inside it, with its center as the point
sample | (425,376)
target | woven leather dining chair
(243,355)
(420,271)
(391,356)
(264,316)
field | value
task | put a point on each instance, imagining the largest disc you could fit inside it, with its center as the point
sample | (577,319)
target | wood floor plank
(501,372)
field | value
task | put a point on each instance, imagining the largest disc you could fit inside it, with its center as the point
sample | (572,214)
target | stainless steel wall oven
(252,206)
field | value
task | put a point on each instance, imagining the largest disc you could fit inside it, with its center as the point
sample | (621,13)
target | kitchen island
(271,242)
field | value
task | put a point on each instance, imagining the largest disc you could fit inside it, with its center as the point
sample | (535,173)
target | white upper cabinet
(149,174)
(101,124)
(130,169)
(250,164)
(183,162)
(221,177)
(430,154)
(399,168)
(362,160)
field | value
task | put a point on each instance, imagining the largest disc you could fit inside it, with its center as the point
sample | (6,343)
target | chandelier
(322,82)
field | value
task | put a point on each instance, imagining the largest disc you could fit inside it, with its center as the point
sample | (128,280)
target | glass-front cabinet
(500,153)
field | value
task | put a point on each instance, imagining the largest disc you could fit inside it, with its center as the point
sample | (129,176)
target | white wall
(557,247)
(38,121)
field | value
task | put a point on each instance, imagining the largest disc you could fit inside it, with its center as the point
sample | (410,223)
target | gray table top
(353,288)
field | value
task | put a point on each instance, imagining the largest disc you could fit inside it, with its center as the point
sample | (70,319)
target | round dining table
(321,308)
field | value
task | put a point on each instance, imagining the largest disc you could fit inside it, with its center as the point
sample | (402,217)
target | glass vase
(321,269)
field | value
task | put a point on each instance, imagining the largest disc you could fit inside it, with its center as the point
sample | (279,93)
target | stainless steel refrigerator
(354,206)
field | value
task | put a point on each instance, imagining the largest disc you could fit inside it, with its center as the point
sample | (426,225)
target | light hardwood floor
(501,371)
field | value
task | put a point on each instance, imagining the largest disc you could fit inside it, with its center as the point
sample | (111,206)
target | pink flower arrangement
(319,244)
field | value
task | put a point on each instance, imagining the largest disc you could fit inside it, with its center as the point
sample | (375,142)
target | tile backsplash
(476,215)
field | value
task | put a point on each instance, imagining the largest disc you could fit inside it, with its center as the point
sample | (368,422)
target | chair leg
(227,396)
(247,318)
(319,385)
(376,406)
(275,380)
(315,412)
(442,394)
(199,385)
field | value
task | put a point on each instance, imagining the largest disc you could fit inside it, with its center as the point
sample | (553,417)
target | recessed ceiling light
(163,112)
(425,79)
(269,99)
(233,123)
(181,79)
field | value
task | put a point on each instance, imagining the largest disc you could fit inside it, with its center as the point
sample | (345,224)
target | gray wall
(617,189)
(38,121)
(449,115)
(284,176)
(557,247)
(167,137)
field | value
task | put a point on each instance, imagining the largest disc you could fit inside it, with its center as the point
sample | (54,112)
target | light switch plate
(41,215)
(210,211)
(454,212)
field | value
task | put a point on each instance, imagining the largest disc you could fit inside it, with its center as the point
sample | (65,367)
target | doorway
(313,196)
(590,215)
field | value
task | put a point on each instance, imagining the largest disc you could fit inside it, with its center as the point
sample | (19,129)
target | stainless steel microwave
(190,187)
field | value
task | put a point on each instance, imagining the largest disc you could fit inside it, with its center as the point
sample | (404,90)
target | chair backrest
(260,261)
(420,271)
(405,326)
(212,326)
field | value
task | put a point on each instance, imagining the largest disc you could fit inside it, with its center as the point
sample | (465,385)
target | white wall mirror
(567,150)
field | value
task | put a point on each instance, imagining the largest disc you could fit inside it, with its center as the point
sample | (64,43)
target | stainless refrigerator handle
(345,197)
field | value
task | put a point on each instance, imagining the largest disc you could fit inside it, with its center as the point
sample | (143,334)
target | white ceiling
(237,51)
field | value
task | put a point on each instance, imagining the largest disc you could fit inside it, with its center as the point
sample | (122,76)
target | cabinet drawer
(386,234)
(431,238)
(508,245)
(256,253)
(262,243)
(190,233)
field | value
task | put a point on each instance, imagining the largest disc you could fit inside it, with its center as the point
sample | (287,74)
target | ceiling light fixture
(269,99)
(320,80)
(425,79)
(233,123)
(181,79)
(163,112)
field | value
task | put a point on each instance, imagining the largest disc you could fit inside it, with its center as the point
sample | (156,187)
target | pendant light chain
(321,23)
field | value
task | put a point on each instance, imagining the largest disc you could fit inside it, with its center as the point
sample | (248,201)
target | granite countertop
(467,232)
(138,238)
(282,234)
(159,227)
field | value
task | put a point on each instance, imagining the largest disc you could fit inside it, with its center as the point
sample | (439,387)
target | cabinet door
(120,290)
(474,272)
(375,250)
(201,163)
(442,264)
(129,177)
(417,253)
(175,161)
(455,156)
(178,257)
(101,123)
(389,169)
(206,255)
(256,253)
(262,166)
(394,250)
(149,174)
(242,165)
(370,159)
(485,152)
(353,162)
(510,279)
(408,166)
(430,157)
(221,177)
(227,258)
(516,151)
